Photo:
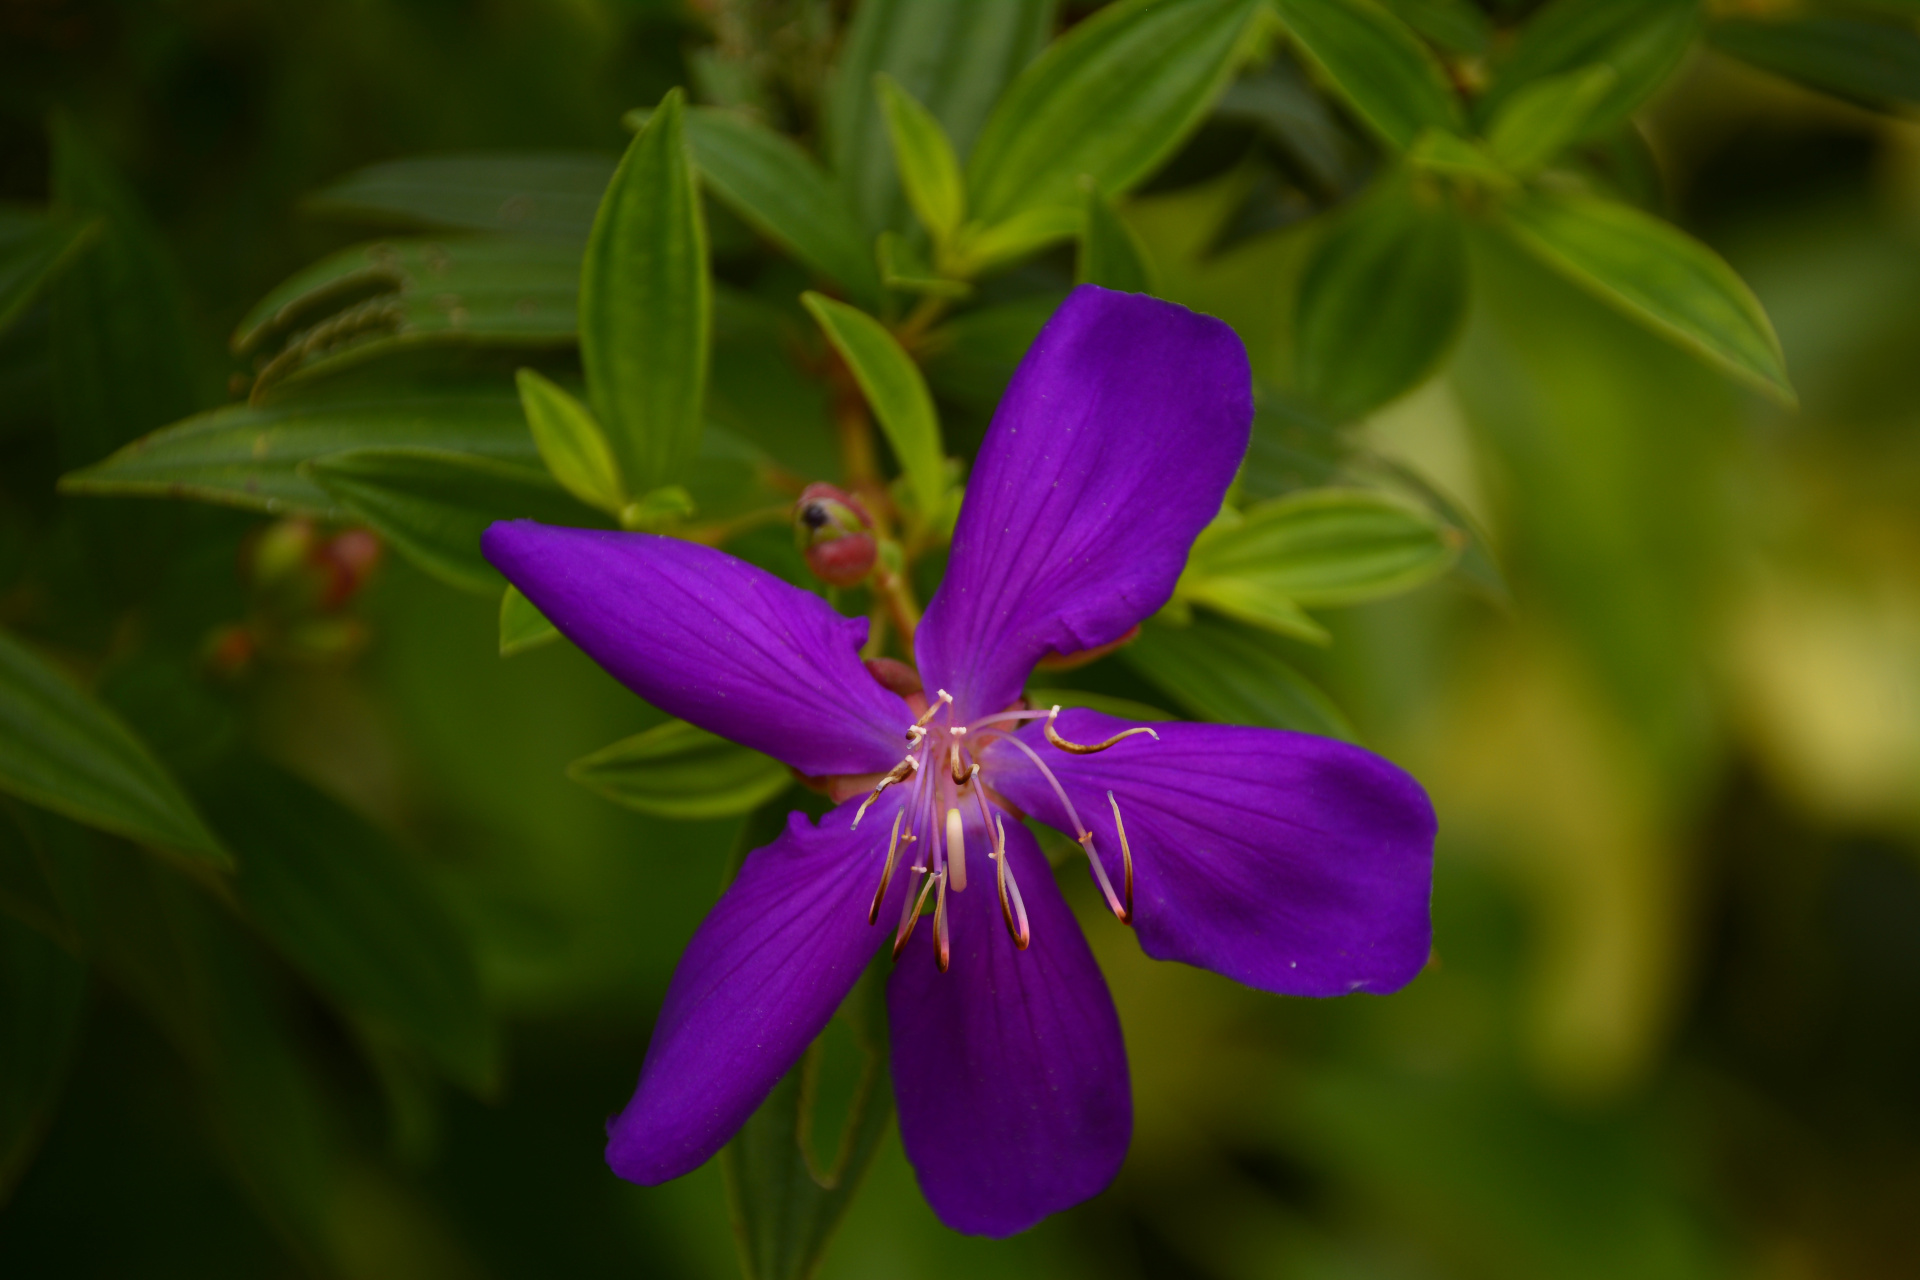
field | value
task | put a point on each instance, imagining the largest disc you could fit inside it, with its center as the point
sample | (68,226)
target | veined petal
(1009,1068)
(763,974)
(1289,862)
(712,640)
(1111,451)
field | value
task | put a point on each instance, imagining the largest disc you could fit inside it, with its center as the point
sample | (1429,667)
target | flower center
(947,794)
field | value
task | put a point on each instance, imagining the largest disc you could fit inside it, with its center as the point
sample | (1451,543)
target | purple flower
(1288,862)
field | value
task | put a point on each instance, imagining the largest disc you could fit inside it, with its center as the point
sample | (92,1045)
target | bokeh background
(1672,1026)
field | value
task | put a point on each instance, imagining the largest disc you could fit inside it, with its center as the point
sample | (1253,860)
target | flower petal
(763,974)
(1289,862)
(1111,451)
(712,640)
(1009,1068)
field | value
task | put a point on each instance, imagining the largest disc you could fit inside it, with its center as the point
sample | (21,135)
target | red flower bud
(834,531)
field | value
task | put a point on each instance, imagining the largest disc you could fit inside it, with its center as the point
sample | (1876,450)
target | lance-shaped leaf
(356,915)
(971,358)
(979,247)
(1642,41)
(1381,299)
(780,189)
(929,171)
(1109,255)
(1458,25)
(252,457)
(1657,274)
(1112,98)
(34,246)
(42,995)
(433,505)
(1220,671)
(674,770)
(891,381)
(1377,64)
(645,306)
(571,444)
(527,193)
(62,750)
(522,627)
(1875,64)
(953,56)
(1319,547)
(1544,118)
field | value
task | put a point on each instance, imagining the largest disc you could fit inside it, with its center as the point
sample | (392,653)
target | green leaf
(1452,24)
(768,180)
(645,306)
(929,171)
(1318,547)
(356,915)
(1656,274)
(63,751)
(1109,255)
(43,993)
(251,457)
(1377,65)
(785,1200)
(674,770)
(529,193)
(433,505)
(953,56)
(1381,299)
(901,267)
(1875,64)
(1441,152)
(1544,118)
(571,444)
(33,248)
(971,358)
(1223,672)
(1643,42)
(522,627)
(892,384)
(980,248)
(1112,98)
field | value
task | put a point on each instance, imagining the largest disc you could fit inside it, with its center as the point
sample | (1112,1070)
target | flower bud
(835,533)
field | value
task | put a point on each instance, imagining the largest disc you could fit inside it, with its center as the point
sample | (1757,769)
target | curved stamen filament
(1006,716)
(1085,749)
(1126,855)
(1012,909)
(911,916)
(1085,836)
(942,944)
(886,872)
(902,770)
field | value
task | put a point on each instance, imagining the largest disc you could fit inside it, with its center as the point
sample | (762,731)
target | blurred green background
(1672,1028)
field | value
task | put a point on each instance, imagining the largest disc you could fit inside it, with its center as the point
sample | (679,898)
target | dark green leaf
(1231,674)
(757,392)
(522,627)
(1381,299)
(251,457)
(30,888)
(971,358)
(433,505)
(1109,255)
(33,247)
(571,444)
(897,392)
(1452,24)
(62,750)
(674,770)
(534,193)
(42,994)
(645,306)
(784,193)
(903,267)
(929,170)
(1657,274)
(953,56)
(1112,99)
(1543,118)
(1643,42)
(355,915)
(1377,64)
(1872,63)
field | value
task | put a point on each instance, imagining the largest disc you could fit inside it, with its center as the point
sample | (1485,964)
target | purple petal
(712,640)
(1111,451)
(1289,862)
(1009,1068)
(763,974)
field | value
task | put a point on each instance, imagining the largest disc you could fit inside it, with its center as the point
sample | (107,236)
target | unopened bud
(835,533)
(349,558)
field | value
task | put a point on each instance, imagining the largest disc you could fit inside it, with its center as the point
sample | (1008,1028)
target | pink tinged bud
(835,533)
(350,558)
(843,562)
(895,676)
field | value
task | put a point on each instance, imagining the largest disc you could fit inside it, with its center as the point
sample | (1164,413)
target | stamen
(1126,855)
(1012,909)
(956,850)
(933,708)
(957,770)
(942,945)
(1085,838)
(886,872)
(900,771)
(911,916)
(1083,749)
(1008,715)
